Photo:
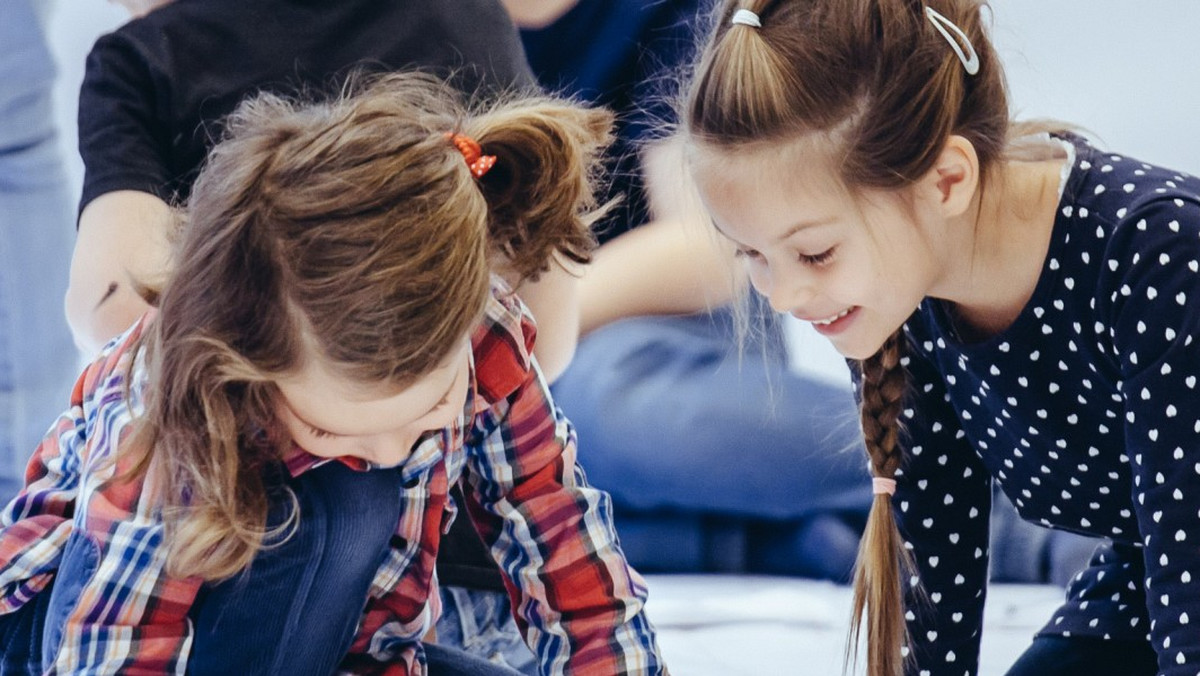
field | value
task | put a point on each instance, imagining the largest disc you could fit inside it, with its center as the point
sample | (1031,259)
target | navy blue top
(1085,411)
(627,55)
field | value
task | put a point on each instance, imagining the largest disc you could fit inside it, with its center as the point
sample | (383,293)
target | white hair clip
(746,18)
(969,58)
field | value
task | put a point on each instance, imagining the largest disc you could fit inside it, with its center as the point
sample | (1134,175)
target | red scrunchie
(478,163)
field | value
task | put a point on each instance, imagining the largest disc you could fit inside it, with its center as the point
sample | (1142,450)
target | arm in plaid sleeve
(579,603)
(37,522)
(114,609)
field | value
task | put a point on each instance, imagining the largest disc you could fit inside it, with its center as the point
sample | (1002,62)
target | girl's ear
(952,181)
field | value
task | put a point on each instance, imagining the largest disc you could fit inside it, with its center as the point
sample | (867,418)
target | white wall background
(1128,70)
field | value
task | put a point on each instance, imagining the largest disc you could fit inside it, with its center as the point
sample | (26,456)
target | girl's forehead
(808,159)
(765,174)
(328,377)
(331,401)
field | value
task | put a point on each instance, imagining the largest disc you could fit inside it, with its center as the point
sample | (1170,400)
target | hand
(537,13)
(122,245)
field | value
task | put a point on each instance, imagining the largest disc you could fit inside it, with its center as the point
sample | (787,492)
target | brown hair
(351,230)
(883,90)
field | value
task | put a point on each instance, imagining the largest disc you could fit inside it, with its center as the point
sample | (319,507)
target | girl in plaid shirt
(254,478)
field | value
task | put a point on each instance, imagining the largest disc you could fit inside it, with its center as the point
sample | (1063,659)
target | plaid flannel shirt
(577,600)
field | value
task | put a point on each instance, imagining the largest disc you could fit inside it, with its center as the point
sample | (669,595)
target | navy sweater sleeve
(943,500)
(1153,271)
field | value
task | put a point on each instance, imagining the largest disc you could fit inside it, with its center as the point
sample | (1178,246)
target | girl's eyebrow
(802,225)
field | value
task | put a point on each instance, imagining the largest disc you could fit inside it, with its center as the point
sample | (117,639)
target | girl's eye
(319,433)
(748,253)
(818,259)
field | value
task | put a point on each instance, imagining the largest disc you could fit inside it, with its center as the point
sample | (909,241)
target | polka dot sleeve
(1153,319)
(943,499)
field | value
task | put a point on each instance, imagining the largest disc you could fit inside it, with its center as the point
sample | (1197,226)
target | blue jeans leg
(669,417)
(38,360)
(672,423)
(481,624)
(441,660)
(295,610)
(31,636)
(21,636)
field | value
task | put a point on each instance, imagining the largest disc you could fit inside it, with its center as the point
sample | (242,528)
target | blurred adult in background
(37,361)
(716,461)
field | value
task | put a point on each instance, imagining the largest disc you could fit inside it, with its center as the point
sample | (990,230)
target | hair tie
(745,17)
(969,58)
(882,486)
(478,163)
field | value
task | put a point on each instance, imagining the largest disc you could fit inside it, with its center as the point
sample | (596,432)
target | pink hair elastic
(882,486)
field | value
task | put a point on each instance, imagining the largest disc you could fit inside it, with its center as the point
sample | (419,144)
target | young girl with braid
(254,478)
(860,154)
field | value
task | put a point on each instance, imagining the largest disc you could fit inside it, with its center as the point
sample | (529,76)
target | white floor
(765,626)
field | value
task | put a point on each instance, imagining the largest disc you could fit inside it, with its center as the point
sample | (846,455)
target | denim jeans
(441,660)
(315,583)
(481,624)
(293,611)
(708,454)
(38,360)
(21,636)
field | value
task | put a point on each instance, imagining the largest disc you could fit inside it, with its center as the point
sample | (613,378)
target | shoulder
(136,35)
(118,369)
(1159,223)
(1129,212)
(169,34)
(502,344)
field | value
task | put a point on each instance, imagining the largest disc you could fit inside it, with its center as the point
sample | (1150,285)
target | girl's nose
(784,292)
(389,449)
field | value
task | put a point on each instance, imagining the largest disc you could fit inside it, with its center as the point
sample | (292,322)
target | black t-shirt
(630,56)
(156,89)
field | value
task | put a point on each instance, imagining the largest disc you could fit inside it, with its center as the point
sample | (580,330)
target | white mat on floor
(768,626)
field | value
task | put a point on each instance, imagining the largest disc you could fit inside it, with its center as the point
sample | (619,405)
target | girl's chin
(859,349)
(855,354)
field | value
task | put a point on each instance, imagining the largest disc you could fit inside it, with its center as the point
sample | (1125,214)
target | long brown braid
(875,85)
(883,562)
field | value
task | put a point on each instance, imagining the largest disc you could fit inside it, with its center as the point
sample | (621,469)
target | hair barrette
(969,58)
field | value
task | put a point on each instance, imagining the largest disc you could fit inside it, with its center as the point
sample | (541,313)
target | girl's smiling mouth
(834,323)
(832,318)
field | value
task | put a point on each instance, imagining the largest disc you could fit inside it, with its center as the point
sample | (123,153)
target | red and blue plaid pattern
(577,600)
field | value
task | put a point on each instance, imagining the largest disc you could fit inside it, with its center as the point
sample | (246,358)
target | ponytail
(540,194)
(883,561)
